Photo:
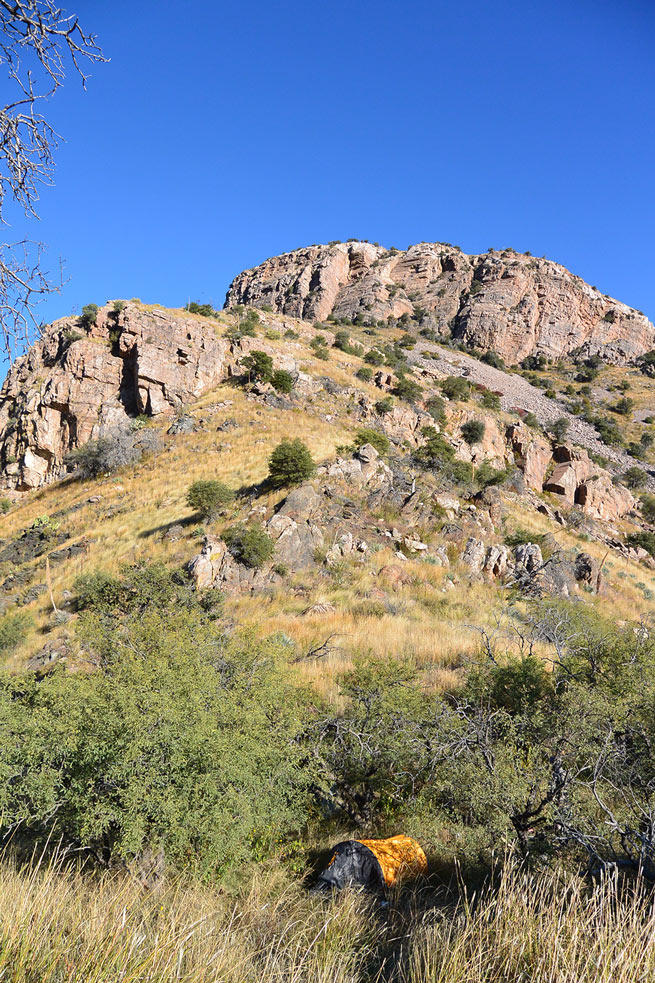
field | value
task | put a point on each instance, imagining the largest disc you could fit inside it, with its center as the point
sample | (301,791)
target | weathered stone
(323,607)
(395,575)
(496,562)
(62,394)
(602,499)
(474,555)
(528,556)
(520,304)
(182,424)
(293,527)
(531,453)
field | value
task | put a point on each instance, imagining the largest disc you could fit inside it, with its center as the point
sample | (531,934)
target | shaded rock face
(509,302)
(74,385)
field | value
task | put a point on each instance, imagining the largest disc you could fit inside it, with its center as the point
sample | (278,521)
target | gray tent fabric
(352,865)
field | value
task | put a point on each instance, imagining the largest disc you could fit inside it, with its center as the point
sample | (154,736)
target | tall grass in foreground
(60,926)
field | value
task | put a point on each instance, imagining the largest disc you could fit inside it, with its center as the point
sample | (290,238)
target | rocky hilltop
(78,382)
(511,303)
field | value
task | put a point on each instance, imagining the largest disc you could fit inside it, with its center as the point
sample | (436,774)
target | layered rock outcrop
(77,383)
(510,302)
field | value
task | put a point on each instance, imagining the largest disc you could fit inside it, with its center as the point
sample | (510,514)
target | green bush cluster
(209,496)
(456,387)
(182,741)
(290,464)
(249,544)
(366,435)
(88,316)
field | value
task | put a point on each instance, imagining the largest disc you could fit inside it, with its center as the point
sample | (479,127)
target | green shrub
(487,475)
(205,310)
(89,315)
(490,400)
(436,448)
(456,387)
(342,341)
(290,463)
(364,373)
(537,362)
(384,406)
(624,406)
(282,381)
(634,477)
(366,435)
(118,306)
(646,540)
(374,357)
(408,390)
(607,430)
(559,428)
(531,420)
(259,366)
(185,744)
(5,505)
(521,537)
(473,431)
(459,472)
(13,630)
(492,358)
(647,502)
(436,407)
(208,497)
(249,544)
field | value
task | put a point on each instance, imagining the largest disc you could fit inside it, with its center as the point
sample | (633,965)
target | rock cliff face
(75,384)
(512,303)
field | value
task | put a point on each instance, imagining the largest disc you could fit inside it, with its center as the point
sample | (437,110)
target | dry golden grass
(63,927)
(422,621)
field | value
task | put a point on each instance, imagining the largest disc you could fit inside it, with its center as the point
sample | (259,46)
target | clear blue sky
(222,133)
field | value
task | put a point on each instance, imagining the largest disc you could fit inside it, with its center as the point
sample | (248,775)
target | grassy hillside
(196,751)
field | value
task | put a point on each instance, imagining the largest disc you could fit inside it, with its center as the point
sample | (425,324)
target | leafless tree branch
(38,40)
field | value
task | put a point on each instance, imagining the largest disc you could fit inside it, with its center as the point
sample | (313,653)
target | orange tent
(374,863)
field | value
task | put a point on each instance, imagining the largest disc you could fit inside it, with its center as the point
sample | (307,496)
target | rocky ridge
(512,303)
(76,384)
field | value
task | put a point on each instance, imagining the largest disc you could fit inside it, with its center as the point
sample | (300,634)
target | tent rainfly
(373,864)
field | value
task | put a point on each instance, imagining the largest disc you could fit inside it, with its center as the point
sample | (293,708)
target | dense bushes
(249,544)
(544,756)
(473,431)
(259,366)
(88,316)
(366,435)
(407,389)
(13,630)
(282,381)
(437,453)
(455,387)
(195,742)
(183,742)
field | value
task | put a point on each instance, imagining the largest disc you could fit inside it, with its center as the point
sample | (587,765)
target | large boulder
(532,454)
(602,499)
(295,530)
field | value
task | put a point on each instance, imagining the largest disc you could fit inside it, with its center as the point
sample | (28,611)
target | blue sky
(223,133)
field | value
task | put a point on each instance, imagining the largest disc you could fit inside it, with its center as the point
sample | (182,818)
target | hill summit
(513,303)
